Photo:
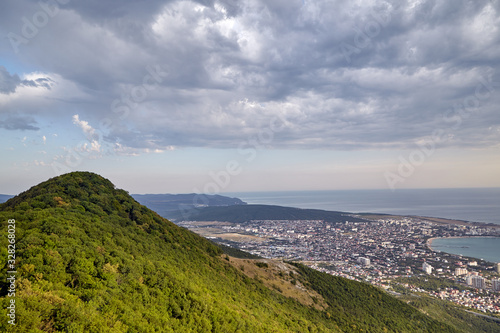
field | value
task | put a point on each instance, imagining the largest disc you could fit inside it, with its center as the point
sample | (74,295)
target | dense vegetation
(91,259)
(377,311)
(431,283)
(446,312)
(245,213)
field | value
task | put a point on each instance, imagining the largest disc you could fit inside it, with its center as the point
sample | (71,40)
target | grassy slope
(377,311)
(91,259)
(280,276)
(451,314)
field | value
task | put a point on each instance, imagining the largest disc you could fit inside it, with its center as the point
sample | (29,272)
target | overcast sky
(228,96)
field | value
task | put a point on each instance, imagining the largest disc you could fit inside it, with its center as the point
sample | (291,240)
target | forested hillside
(89,258)
(245,213)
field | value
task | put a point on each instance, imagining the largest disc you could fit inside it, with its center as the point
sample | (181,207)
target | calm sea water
(475,205)
(487,248)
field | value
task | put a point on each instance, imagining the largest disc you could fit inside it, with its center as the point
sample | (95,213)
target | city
(390,252)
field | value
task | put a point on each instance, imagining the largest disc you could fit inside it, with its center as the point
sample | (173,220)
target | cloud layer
(333,74)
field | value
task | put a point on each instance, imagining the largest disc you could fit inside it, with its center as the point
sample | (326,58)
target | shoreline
(435,220)
(442,220)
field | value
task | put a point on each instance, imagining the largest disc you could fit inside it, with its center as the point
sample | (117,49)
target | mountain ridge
(245,213)
(91,259)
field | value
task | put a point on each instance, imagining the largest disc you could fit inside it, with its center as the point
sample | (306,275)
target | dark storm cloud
(343,75)
(8,83)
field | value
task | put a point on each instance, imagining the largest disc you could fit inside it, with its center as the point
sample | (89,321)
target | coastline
(435,220)
(429,242)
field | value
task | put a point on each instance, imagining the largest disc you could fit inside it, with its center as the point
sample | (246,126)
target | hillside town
(384,252)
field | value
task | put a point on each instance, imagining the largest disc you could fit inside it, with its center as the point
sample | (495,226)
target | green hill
(245,213)
(89,258)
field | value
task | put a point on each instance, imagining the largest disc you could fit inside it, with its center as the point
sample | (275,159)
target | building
(427,268)
(498,267)
(495,284)
(460,271)
(364,261)
(476,281)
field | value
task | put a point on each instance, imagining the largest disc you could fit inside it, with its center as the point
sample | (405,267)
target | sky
(251,95)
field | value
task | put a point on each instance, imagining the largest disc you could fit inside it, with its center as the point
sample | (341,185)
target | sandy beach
(429,242)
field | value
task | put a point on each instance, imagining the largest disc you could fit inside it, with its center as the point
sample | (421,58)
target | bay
(487,248)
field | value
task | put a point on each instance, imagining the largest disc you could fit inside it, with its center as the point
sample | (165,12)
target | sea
(468,204)
(487,248)
(471,204)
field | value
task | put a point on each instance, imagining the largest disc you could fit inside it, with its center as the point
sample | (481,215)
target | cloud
(84,125)
(91,147)
(122,150)
(9,83)
(40,82)
(236,66)
(19,123)
(40,163)
(94,141)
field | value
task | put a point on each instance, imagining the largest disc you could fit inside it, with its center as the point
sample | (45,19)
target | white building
(476,281)
(364,261)
(427,268)
(460,271)
(495,284)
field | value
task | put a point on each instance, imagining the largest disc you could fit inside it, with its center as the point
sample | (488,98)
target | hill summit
(89,258)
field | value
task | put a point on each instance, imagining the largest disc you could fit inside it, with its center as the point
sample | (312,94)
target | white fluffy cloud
(84,125)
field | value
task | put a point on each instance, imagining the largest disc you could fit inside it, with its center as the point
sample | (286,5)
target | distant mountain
(89,258)
(172,205)
(241,214)
(5,197)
